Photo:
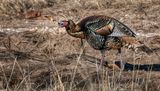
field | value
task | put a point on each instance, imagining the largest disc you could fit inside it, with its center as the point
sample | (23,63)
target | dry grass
(14,6)
(33,60)
(52,60)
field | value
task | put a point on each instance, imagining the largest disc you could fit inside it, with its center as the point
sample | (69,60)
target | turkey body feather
(100,31)
(105,26)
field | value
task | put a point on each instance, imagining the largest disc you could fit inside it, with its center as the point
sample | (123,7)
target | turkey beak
(63,24)
(59,24)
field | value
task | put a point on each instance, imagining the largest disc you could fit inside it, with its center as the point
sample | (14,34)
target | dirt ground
(35,54)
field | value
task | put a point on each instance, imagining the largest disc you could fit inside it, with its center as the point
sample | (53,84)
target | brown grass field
(37,55)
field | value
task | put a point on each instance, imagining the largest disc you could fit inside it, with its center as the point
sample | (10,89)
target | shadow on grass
(126,66)
(145,67)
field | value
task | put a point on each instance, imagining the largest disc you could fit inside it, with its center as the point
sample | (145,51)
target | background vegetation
(37,55)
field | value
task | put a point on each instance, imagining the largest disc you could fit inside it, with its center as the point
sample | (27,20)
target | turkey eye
(61,23)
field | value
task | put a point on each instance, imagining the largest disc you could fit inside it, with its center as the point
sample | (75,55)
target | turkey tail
(133,43)
(145,49)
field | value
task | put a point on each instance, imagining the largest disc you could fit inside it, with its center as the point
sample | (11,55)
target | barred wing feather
(96,24)
(121,30)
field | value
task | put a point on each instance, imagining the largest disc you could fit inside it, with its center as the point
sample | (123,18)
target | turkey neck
(75,31)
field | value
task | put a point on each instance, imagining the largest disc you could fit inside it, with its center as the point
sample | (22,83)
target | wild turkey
(103,33)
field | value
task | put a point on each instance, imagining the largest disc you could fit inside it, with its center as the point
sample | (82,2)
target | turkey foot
(110,65)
